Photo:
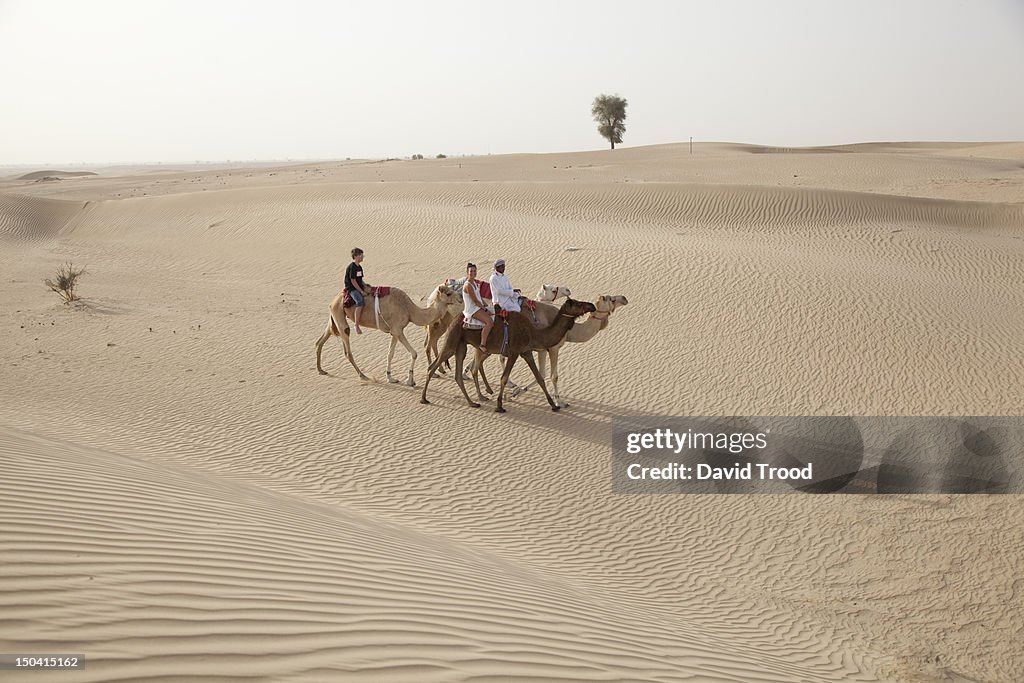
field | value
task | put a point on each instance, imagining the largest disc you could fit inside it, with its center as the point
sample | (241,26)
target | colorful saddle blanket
(375,291)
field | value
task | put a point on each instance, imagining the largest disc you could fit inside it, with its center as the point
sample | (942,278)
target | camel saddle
(374,291)
(500,316)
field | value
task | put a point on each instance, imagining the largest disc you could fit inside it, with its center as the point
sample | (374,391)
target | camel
(605,305)
(436,329)
(513,338)
(396,310)
(580,333)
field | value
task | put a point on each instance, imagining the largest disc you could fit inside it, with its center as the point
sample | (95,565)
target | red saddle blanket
(375,291)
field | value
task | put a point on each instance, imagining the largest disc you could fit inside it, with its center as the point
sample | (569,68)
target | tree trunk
(613,144)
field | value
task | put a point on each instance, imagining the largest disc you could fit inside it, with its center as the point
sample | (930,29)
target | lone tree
(610,113)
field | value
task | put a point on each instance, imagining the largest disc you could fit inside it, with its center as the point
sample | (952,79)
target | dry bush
(64,283)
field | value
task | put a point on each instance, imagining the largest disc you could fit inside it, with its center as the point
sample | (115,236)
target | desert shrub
(442,156)
(417,156)
(64,283)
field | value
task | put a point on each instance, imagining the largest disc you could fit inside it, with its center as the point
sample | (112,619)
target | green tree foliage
(609,112)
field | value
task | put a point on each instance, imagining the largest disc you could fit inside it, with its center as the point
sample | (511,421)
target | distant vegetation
(610,113)
(64,284)
(417,156)
(442,156)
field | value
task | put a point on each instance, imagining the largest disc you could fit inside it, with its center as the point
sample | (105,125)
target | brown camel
(391,314)
(580,333)
(513,338)
(543,315)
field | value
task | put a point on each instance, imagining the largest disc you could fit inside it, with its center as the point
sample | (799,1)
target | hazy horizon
(113,82)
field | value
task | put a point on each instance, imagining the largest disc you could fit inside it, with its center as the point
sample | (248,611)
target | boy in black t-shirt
(355,286)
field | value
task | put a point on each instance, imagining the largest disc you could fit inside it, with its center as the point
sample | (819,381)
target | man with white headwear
(502,293)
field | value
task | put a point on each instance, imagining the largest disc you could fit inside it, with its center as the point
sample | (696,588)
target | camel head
(455,284)
(552,292)
(608,304)
(442,296)
(605,306)
(574,309)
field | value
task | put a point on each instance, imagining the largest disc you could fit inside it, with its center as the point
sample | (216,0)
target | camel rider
(474,306)
(355,286)
(502,293)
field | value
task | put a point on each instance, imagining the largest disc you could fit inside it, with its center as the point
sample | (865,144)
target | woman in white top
(473,303)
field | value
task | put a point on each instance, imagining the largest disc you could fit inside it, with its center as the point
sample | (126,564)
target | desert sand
(184,498)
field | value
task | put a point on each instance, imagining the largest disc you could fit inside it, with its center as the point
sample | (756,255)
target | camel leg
(528,357)
(448,363)
(346,340)
(541,355)
(554,377)
(319,347)
(405,342)
(476,381)
(478,369)
(430,344)
(431,371)
(479,361)
(515,388)
(442,369)
(509,362)
(460,356)
(391,355)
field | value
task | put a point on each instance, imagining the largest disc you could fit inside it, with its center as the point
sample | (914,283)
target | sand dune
(30,219)
(189,568)
(242,516)
(37,175)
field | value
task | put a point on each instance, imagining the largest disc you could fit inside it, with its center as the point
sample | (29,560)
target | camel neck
(553,334)
(585,330)
(427,316)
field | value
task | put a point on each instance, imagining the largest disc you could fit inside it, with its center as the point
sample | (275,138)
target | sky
(120,82)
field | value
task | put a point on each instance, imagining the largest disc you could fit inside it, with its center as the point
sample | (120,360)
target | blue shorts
(357,297)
